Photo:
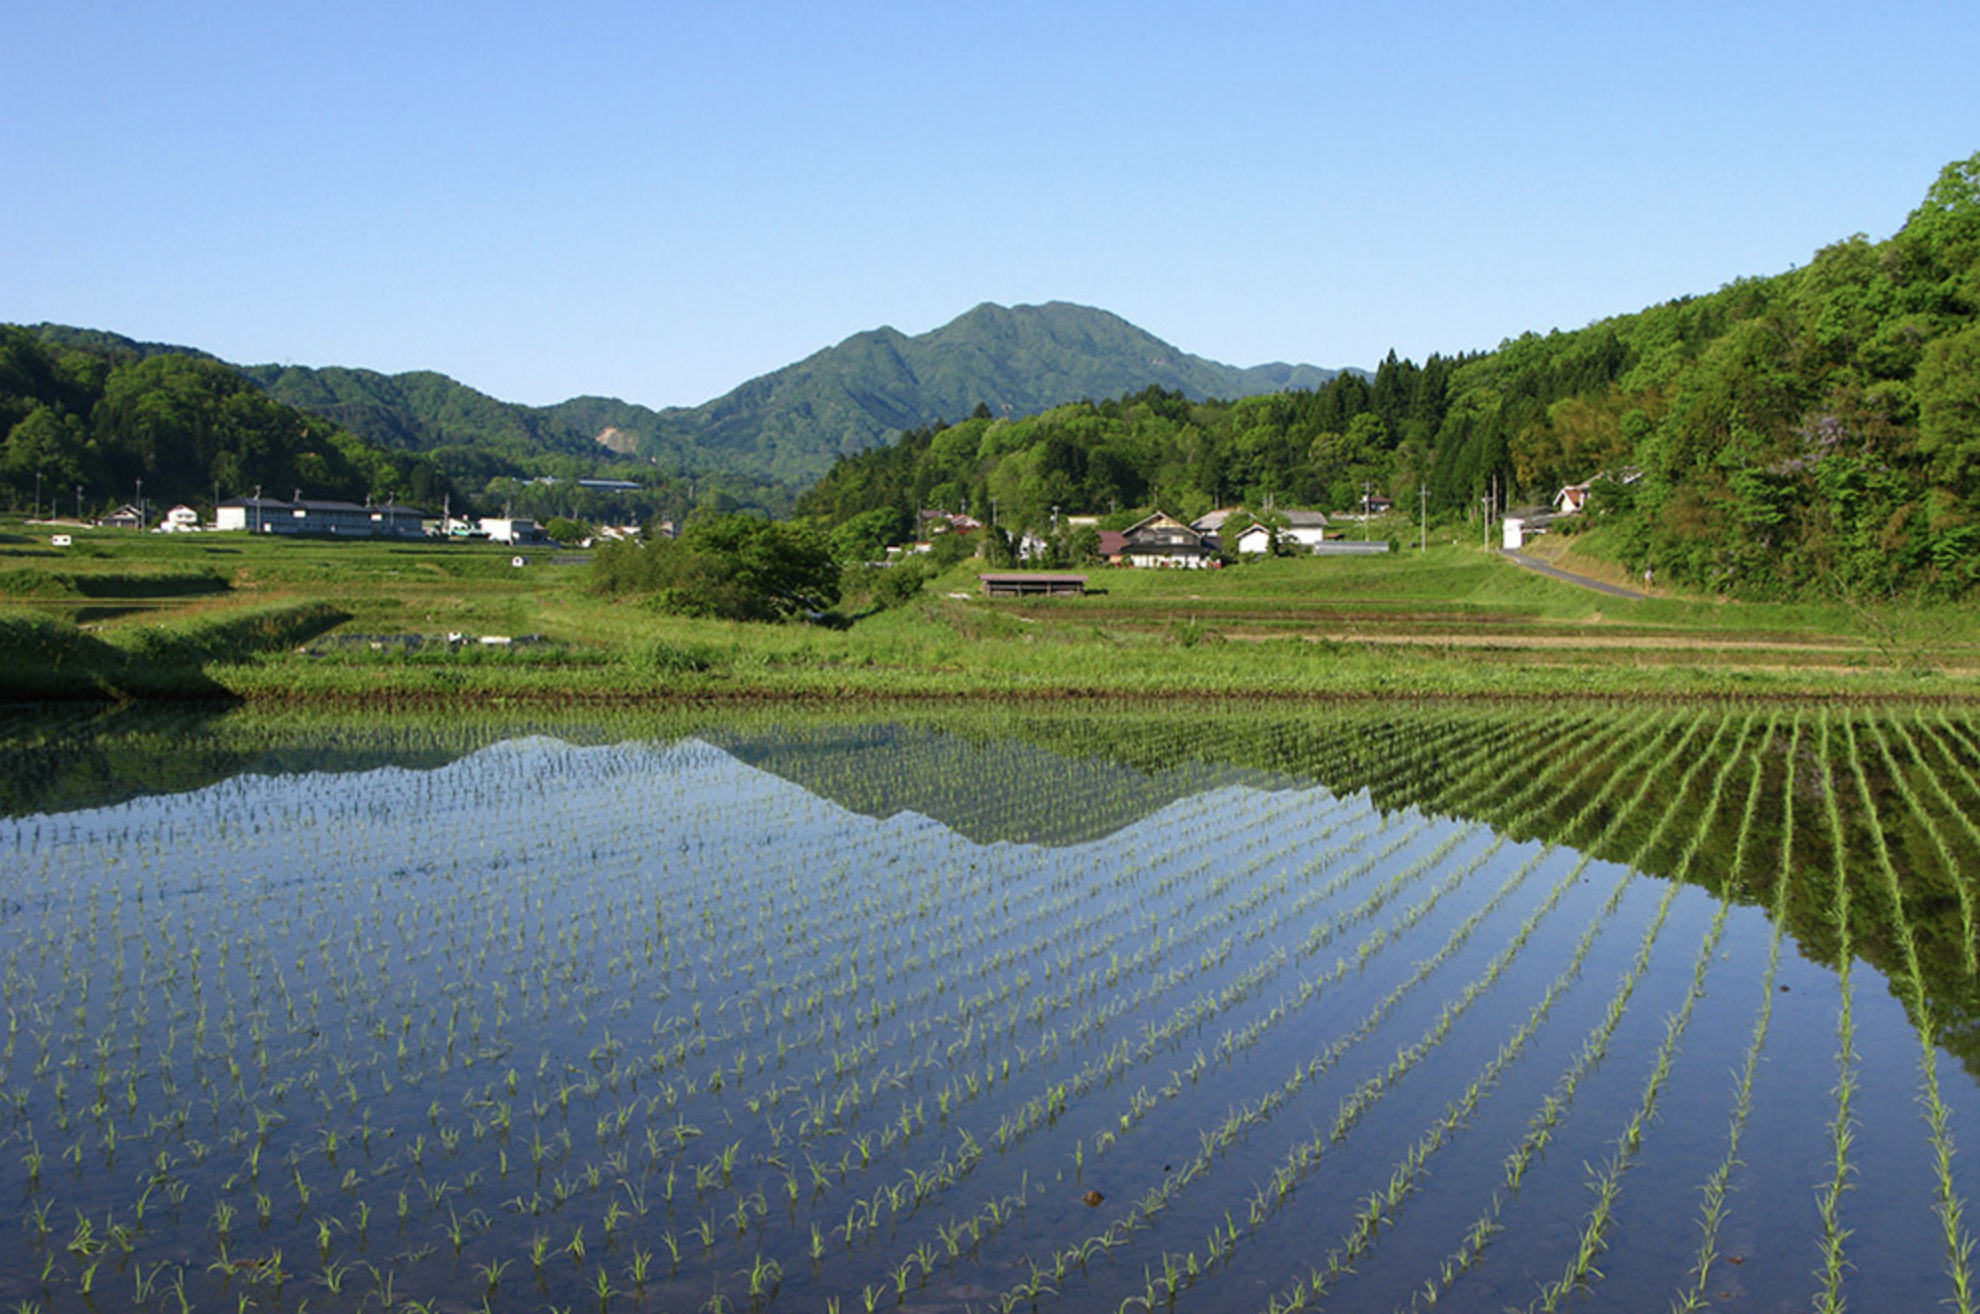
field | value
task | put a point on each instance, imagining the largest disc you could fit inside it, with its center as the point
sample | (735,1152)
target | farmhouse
(1163,540)
(1212,522)
(124,517)
(1297,531)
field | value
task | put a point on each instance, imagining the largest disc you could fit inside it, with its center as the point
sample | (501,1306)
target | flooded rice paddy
(1261,1009)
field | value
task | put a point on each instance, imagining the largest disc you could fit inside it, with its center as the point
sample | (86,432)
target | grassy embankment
(120,614)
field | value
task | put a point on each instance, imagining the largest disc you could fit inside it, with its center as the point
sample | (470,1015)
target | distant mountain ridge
(783,429)
(1016,360)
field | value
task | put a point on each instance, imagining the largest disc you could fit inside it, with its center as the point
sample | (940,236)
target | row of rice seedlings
(1242,1120)
(1047,1108)
(1383,1205)
(1559,1102)
(1947,1204)
(1713,1191)
(1957,816)
(1056,1105)
(1352,1109)
(1607,1184)
(1830,1299)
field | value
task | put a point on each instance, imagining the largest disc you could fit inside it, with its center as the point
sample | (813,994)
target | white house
(1306,528)
(1301,531)
(1255,541)
(180,519)
(502,529)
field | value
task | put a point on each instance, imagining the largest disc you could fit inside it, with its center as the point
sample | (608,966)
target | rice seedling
(1842,1124)
(873,1051)
(1948,1203)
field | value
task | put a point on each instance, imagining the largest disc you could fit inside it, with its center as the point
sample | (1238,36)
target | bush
(898,584)
(728,568)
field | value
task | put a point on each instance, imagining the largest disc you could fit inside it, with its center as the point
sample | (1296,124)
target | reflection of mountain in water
(984,787)
(1055,776)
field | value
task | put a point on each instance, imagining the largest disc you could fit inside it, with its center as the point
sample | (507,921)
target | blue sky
(657,201)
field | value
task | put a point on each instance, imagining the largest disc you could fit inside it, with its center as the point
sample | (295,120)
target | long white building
(267,515)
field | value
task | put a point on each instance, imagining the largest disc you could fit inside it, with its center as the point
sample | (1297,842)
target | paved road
(1534,563)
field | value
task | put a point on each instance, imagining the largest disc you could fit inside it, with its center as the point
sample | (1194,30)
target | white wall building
(267,515)
(512,530)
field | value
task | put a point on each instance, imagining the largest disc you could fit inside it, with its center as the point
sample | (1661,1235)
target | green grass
(1453,621)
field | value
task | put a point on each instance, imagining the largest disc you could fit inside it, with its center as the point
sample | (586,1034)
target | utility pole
(1423,533)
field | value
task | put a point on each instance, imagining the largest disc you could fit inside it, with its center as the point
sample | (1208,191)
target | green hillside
(1814,432)
(90,423)
(761,444)
(786,428)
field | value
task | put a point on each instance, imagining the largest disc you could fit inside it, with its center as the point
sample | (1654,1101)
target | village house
(1161,540)
(1212,522)
(1299,531)
(124,517)
(512,530)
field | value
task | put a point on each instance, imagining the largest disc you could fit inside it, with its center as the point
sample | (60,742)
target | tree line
(96,425)
(1815,432)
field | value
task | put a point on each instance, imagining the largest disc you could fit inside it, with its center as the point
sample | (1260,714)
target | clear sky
(657,201)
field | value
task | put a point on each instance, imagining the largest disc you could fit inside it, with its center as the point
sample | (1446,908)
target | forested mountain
(86,423)
(421,411)
(1014,361)
(764,442)
(1813,432)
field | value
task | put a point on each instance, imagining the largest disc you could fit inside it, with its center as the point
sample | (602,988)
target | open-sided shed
(1031,585)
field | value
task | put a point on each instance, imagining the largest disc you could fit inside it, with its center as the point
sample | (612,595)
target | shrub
(727,567)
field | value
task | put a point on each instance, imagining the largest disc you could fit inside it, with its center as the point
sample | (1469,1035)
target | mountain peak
(1017,360)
